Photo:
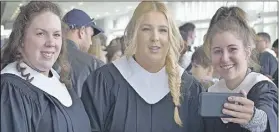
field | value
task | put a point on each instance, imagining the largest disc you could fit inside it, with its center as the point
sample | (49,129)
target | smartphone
(211,104)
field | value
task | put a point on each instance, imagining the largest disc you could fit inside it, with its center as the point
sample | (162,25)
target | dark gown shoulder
(265,96)
(19,104)
(26,108)
(114,106)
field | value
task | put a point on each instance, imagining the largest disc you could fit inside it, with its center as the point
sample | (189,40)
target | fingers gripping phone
(211,104)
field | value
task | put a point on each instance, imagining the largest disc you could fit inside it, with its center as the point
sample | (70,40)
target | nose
(155,36)
(50,41)
(225,57)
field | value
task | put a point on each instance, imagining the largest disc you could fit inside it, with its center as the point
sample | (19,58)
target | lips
(154,49)
(227,67)
(47,54)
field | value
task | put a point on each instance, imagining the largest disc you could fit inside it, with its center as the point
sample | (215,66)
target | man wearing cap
(81,29)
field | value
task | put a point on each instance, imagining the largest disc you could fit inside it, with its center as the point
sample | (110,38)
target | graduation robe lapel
(151,87)
(50,85)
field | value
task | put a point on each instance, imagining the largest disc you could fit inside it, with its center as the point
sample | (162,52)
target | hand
(242,110)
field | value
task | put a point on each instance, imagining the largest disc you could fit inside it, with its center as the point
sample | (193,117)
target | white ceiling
(96,10)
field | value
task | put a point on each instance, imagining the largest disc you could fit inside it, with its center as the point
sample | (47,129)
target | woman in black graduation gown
(146,90)
(228,43)
(34,98)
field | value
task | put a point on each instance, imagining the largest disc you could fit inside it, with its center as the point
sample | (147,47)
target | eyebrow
(161,26)
(46,30)
(230,45)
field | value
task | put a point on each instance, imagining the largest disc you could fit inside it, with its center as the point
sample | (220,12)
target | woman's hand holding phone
(242,109)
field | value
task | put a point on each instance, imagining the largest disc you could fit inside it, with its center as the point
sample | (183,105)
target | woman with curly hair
(34,98)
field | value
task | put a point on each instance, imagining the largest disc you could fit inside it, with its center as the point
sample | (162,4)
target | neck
(234,83)
(46,73)
(263,50)
(150,66)
(74,39)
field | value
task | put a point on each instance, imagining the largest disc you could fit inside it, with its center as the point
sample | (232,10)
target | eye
(57,35)
(145,29)
(40,34)
(163,30)
(233,49)
(217,51)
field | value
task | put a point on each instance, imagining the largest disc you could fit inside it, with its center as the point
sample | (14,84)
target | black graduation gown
(265,96)
(26,108)
(114,106)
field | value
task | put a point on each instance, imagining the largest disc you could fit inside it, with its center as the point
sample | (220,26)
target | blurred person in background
(188,33)
(98,47)
(267,57)
(34,98)
(80,30)
(228,44)
(275,47)
(114,49)
(202,68)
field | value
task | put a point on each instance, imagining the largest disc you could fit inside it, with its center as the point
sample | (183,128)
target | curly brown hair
(10,53)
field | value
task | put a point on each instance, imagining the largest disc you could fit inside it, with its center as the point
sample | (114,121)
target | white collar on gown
(50,85)
(249,81)
(152,87)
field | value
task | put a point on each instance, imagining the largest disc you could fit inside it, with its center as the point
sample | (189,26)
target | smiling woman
(34,98)
(228,43)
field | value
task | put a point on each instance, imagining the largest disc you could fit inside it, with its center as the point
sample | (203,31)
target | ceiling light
(116,10)
(106,13)
(20,4)
(129,7)
(97,15)
(80,3)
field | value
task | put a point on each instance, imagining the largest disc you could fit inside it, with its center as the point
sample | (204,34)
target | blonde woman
(146,90)
(228,43)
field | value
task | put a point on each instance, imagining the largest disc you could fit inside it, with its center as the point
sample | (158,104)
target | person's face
(86,34)
(199,72)
(116,55)
(261,44)
(152,37)
(192,37)
(229,57)
(42,41)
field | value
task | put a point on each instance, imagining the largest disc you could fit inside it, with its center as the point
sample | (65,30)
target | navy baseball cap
(77,18)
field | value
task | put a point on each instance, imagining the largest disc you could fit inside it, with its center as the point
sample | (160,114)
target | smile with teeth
(47,54)
(226,67)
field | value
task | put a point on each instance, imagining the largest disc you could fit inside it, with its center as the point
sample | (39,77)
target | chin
(228,77)
(45,67)
(156,58)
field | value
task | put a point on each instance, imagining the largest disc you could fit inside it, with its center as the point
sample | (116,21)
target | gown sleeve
(265,96)
(98,99)
(16,108)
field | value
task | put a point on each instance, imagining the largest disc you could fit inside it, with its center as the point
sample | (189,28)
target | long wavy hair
(11,52)
(175,42)
(234,20)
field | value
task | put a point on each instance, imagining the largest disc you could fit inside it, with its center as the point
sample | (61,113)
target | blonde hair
(176,45)
(234,20)
(96,49)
